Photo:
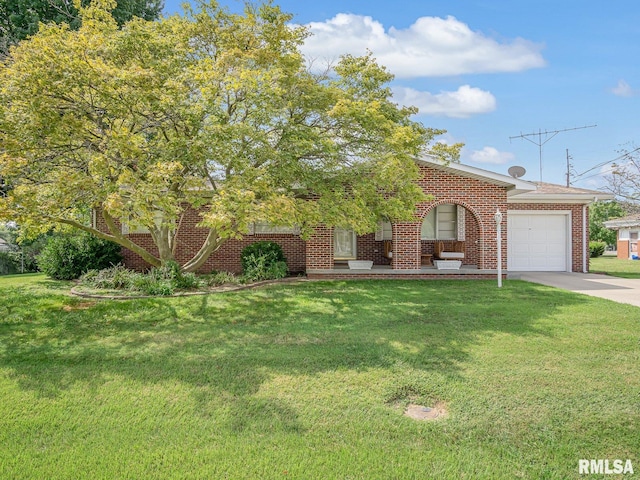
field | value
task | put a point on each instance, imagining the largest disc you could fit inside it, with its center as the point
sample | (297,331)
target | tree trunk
(210,245)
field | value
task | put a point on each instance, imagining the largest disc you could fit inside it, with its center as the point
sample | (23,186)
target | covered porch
(443,232)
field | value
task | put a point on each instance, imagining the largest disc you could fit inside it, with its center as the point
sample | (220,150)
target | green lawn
(615,267)
(309,380)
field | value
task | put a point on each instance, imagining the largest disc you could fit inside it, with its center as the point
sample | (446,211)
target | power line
(546,133)
(600,165)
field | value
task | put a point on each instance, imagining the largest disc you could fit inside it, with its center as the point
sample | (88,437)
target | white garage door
(537,242)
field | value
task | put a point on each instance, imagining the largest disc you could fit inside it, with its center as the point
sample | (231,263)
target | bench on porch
(449,250)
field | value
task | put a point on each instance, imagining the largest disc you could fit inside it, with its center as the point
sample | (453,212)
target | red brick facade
(479,198)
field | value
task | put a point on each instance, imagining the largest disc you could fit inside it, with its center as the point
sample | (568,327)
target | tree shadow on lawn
(226,346)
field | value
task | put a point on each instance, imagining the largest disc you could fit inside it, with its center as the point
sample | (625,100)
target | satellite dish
(516,171)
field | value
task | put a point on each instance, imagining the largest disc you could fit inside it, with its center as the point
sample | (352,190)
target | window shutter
(461,213)
(380,232)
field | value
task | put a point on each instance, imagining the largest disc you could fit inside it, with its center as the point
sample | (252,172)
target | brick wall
(480,200)
(190,238)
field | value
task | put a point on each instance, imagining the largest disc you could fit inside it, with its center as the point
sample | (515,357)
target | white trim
(585,264)
(568,232)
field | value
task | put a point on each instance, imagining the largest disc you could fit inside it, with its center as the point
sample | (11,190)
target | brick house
(544,228)
(628,229)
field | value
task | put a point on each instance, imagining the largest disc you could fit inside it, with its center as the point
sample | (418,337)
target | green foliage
(68,257)
(9,263)
(596,249)
(138,122)
(158,281)
(23,253)
(20,19)
(117,277)
(220,278)
(263,261)
(271,251)
(599,212)
(170,273)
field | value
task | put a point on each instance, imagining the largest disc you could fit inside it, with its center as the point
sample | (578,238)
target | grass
(310,380)
(615,267)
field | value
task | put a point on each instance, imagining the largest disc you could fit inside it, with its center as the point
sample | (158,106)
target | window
(384,231)
(444,222)
(128,228)
(263,228)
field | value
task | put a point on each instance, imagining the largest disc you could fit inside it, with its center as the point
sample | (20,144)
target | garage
(538,241)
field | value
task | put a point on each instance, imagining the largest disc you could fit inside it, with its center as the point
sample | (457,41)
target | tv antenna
(548,135)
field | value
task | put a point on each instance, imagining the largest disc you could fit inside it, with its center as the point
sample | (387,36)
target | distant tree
(599,212)
(214,111)
(20,19)
(624,180)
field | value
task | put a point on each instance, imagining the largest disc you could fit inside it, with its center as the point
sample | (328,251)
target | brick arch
(424,209)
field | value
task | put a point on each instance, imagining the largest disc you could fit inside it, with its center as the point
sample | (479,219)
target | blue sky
(493,69)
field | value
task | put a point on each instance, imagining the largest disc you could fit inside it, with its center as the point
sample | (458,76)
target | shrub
(170,273)
(263,261)
(68,257)
(9,263)
(117,277)
(220,278)
(149,285)
(596,249)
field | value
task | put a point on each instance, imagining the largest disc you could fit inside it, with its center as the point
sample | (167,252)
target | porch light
(498,218)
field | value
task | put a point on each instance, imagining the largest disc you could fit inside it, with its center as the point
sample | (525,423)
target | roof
(624,222)
(553,193)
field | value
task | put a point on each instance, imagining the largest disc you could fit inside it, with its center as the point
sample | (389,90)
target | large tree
(599,212)
(211,110)
(20,19)
(624,179)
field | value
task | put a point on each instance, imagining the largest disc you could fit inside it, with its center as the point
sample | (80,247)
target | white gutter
(585,246)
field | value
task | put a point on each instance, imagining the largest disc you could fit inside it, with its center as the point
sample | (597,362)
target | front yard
(615,267)
(310,380)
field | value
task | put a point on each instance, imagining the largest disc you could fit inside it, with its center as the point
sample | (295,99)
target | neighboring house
(4,246)
(544,228)
(628,232)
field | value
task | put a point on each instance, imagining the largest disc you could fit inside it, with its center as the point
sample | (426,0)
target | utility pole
(568,169)
(547,136)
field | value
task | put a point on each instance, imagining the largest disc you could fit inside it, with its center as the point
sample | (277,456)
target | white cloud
(623,89)
(463,103)
(491,155)
(432,46)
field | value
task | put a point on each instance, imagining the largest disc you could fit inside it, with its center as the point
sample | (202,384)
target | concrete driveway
(621,290)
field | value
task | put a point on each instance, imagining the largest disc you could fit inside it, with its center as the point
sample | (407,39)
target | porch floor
(385,271)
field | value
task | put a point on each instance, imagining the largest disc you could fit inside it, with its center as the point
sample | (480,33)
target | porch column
(406,246)
(319,249)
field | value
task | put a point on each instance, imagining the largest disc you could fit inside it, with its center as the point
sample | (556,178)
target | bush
(596,249)
(263,261)
(170,273)
(220,278)
(117,277)
(68,257)
(9,263)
